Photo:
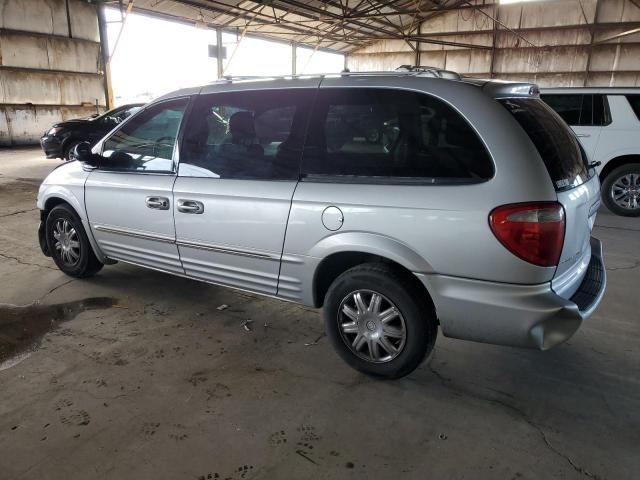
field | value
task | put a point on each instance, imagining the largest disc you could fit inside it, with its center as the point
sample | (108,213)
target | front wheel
(621,190)
(69,150)
(379,321)
(69,245)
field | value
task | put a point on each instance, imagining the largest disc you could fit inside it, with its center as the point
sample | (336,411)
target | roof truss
(335,25)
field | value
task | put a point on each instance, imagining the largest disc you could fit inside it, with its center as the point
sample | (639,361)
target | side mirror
(82,153)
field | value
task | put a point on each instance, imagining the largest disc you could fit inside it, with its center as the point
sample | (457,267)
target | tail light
(532,231)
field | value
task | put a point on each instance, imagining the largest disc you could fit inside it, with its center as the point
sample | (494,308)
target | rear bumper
(531,316)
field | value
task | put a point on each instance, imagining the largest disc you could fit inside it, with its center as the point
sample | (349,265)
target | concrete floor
(165,385)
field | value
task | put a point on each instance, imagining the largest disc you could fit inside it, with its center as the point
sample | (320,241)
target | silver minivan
(399,202)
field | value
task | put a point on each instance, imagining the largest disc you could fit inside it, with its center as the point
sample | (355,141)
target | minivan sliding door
(239,166)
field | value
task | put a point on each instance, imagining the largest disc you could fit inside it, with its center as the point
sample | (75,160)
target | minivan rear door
(577,186)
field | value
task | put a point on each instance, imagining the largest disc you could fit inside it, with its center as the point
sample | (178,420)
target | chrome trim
(228,250)
(190,206)
(184,243)
(135,172)
(134,233)
(287,258)
(157,203)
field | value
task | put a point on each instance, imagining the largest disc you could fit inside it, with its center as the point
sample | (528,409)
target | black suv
(59,140)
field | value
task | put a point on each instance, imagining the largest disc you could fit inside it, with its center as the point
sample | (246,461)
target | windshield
(119,113)
(554,140)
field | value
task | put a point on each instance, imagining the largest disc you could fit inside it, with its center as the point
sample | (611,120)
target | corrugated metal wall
(558,43)
(49,66)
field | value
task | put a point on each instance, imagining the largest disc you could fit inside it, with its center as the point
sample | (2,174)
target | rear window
(555,142)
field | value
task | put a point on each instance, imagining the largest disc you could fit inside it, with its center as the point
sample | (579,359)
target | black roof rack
(415,70)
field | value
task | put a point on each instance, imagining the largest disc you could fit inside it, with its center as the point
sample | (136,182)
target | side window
(246,135)
(576,110)
(145,144)
(385,133)
(634,101)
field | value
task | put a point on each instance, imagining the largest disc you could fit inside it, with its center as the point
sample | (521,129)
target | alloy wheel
(371,326)
(625,191)
(67,243)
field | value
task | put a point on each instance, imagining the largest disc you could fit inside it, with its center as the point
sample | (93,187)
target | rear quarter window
(555,142)
(388,135)
(634,101)
(571,107)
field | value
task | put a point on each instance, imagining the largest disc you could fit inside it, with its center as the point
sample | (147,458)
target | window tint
(601,114)
(586,112)
(634,101)
(557,145)
(392,133)
(246,135)
(145,144)
(127,112)
(576,110)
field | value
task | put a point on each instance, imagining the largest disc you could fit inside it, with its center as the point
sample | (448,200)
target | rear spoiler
(500,89)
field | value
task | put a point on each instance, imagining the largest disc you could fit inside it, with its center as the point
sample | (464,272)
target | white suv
(607,122)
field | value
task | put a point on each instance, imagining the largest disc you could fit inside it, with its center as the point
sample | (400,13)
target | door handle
(157,203)
(190,206)
(583,135)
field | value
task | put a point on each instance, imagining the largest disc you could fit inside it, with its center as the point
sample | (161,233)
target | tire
(72,253)
(412,333)
(624,176)
(69,148)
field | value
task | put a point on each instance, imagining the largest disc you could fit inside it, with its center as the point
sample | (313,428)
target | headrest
(241,123)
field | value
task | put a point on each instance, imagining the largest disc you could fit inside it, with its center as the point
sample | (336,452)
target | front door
(129,196)
(239,167)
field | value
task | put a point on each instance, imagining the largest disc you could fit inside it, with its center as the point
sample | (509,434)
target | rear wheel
(621,190)
(69,245)
(378,321)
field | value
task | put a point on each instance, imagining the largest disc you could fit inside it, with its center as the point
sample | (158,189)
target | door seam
(173,219)
(284,238)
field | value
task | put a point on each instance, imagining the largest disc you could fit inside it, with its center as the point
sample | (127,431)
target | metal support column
(293,58)
(418,59)
(585,82)
(104,55)
(496,21)
(219,45)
